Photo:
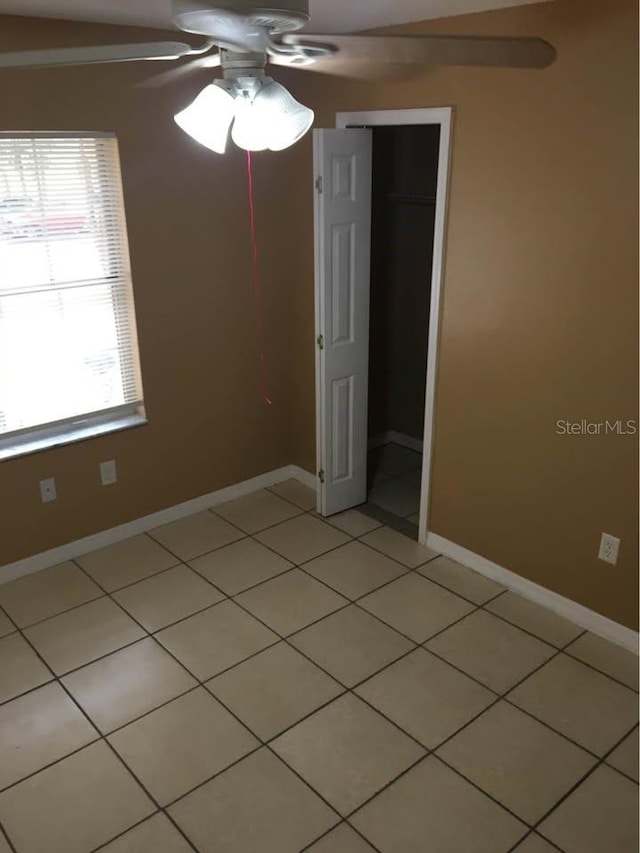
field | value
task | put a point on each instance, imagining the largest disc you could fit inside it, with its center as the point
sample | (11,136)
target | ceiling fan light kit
(261,114)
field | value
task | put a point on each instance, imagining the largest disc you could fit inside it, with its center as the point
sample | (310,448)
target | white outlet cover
(48,490)
(108,473)
(609,547)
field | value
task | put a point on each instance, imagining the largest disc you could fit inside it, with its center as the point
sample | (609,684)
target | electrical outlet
(48,490)
(609,547)
(108,473)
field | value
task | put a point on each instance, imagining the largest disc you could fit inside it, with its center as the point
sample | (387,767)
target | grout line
(153,631)
(171,820)
(564,647)
(504,697)
(61,613)
(214,510)
(595,668)
(89,662)
(289,500)
(125,831)
(354,829)
(259,583)
(149,577)
(186,559)
(343,822)
(355,600)
(608,755)
(268,740)
(590,772)
(251,586)
(310,559)
(29,690)
(540,639)
(98,737)
(305,782)
(388,556)
(5,835)
(490,796)
(421,643)
(533,834)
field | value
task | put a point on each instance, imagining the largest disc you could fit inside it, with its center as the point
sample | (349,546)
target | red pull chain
(256,285)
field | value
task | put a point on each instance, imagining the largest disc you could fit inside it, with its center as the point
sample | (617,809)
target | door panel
(342,161)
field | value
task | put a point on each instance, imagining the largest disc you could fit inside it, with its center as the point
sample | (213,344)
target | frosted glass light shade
(208,118)
(286,119)
(250,129)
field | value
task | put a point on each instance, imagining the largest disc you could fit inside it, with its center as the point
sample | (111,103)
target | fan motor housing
(286,17)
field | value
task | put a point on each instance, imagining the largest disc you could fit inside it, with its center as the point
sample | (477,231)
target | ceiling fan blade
(358,70)
(436,50)
(93,55)
(176,73)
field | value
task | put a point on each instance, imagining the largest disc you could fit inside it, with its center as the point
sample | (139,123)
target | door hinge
(321,475)
(318,183)
(320,341)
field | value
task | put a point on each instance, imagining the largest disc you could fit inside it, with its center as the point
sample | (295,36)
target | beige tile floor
(254,679)
(394,475)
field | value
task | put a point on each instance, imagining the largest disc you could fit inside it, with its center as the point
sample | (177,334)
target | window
(68,350)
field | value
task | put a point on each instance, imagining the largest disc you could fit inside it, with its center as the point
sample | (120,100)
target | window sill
(41,441)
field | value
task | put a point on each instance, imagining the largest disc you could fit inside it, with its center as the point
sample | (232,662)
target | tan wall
(188,230)
(540,297)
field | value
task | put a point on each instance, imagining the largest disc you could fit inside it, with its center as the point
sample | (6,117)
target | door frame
(441,116)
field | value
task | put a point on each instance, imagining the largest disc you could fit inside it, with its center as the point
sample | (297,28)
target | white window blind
(68,348)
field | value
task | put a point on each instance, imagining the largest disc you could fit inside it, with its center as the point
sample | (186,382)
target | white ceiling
(326,15)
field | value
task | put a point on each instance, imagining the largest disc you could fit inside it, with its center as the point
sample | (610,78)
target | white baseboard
(28,565)
(297,473)
(375,441)
(564,607)
(393,437)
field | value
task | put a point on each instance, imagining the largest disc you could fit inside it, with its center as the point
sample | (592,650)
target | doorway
(344,211)
(403,205)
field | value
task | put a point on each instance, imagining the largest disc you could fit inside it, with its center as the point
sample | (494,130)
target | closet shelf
(409,198)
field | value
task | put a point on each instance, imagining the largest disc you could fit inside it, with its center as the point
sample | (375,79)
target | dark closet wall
(405,169)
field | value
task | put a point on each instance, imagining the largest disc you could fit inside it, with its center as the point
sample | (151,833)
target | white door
(342,170)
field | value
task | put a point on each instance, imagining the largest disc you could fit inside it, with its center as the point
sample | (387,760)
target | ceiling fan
(242,38)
